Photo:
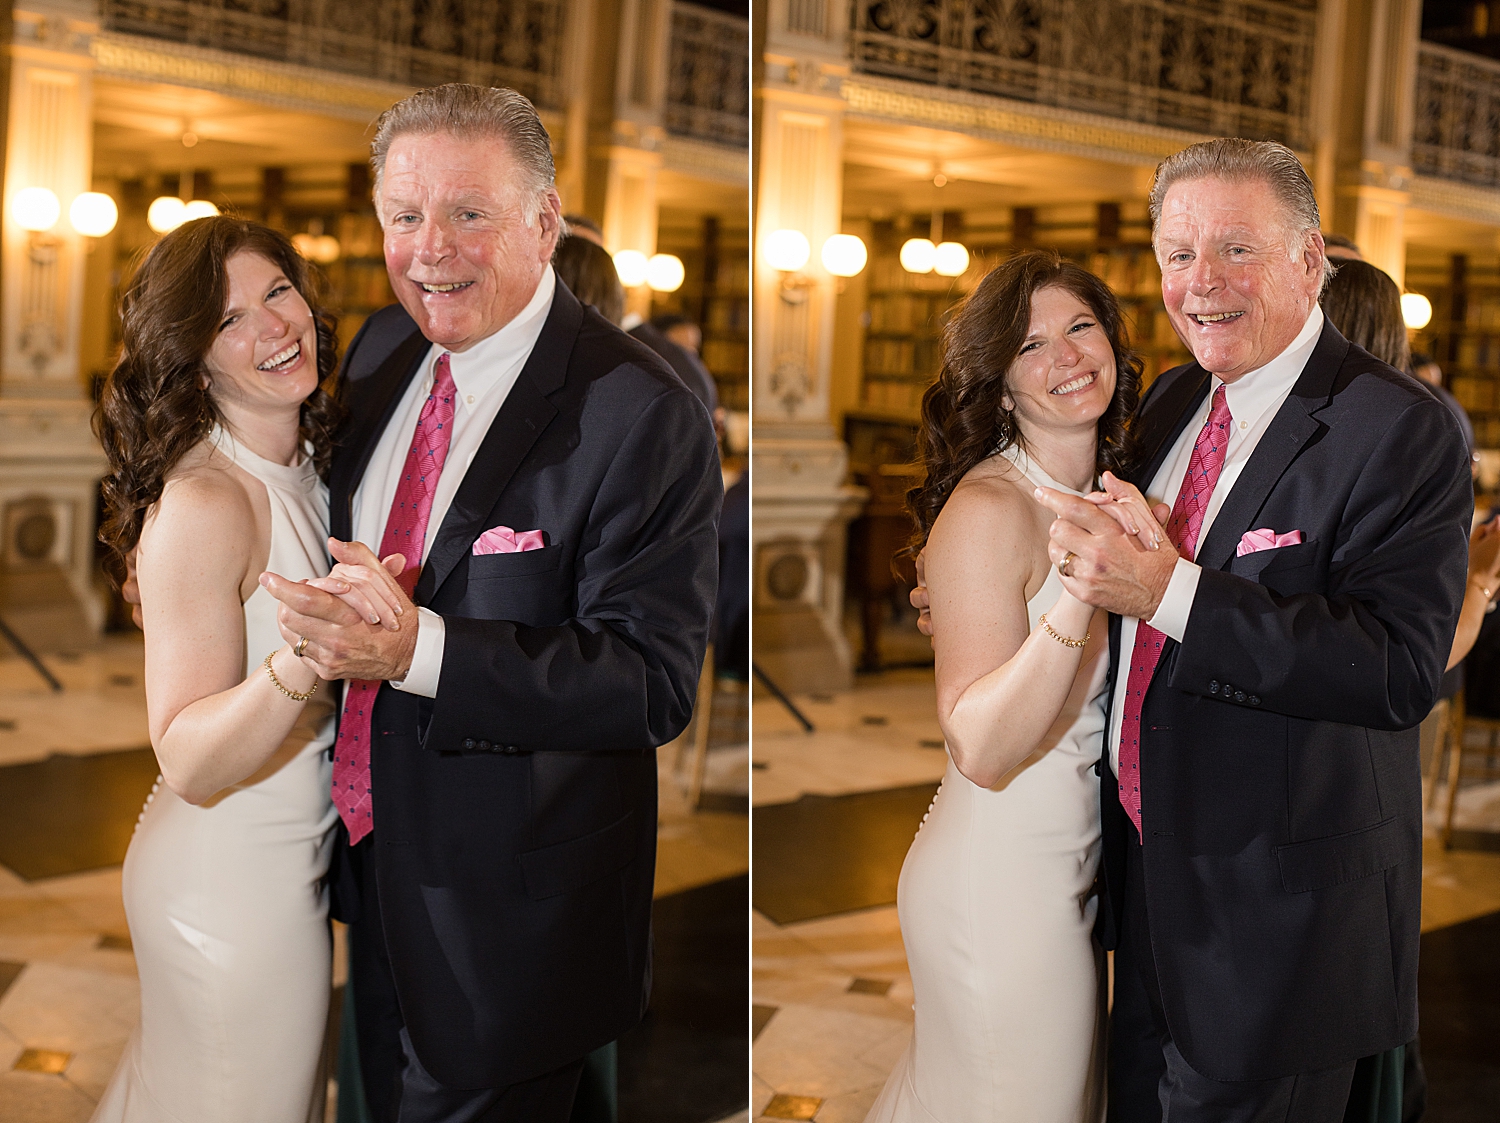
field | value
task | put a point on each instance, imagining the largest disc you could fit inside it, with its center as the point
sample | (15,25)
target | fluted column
(802,503)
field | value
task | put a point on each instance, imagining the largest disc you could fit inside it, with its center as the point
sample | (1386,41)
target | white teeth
(281,358)
(1074,384)
(444,288)
(1217,317)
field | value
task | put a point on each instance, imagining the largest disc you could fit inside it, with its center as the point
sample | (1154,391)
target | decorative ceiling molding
(1455,200)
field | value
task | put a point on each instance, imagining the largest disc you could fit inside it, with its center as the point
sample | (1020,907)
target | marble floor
(832,995)
(69,998)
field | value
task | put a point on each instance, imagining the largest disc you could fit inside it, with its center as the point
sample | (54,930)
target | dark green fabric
(1375,1096)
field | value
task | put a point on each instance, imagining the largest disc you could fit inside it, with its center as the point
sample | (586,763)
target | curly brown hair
(154,407)
(963,421)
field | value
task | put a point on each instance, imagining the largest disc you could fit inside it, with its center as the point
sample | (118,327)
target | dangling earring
(1005,429)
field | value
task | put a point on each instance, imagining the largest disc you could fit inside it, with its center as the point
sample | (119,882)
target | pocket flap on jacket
(1321,863)
(566,866)
(486,567)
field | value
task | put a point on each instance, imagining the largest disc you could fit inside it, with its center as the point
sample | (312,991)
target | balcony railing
(1457,129)
(708,91)
(515,43)
(1222,67)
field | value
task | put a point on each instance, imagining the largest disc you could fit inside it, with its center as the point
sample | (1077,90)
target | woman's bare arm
(211,725)
(1000,686)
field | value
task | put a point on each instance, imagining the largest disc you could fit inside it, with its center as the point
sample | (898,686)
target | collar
(483,366)
(1250,396)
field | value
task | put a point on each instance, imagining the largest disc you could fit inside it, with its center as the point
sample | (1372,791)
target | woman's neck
(1068,456)
(271,436)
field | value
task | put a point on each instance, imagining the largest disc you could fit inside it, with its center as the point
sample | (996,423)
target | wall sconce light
(198,208)
(787,250)
(918,255)
(665,272)
(165,213)
(1416,310)
(314,245)
(844,255)
(35,209)
(632,267)
(93,214)
(950,259)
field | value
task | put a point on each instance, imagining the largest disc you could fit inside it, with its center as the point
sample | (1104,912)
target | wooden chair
(1451,742)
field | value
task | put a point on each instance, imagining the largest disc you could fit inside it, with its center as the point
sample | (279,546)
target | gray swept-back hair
(1236,160)
(468,111)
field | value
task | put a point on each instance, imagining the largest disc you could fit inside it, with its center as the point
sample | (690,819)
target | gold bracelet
(1062,639)
(292,694)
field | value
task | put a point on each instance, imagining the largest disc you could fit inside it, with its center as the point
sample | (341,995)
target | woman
(996,895)
(216,429)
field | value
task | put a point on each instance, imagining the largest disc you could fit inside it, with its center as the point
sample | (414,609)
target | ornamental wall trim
(1456,135)
(703,160)
(1014,122)
(708,80)
(1455,200)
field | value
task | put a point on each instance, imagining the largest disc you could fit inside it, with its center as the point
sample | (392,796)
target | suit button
(1228,690)
(511,749)
(1239,695)
(485,746)
(1213,688)
(468,742)
(1254,701)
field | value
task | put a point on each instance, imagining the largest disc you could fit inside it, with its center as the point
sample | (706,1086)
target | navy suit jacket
(1280,784)
(515,813)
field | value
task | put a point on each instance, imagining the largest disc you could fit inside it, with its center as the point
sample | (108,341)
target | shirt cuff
(427,661)
(1171,615)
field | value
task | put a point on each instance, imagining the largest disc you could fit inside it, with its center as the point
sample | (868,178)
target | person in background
(589,272)
(1428,371)
(1338,248)
(681,331)
(582,226)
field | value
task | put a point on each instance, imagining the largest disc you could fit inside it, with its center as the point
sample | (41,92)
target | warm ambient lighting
(1416,310)
(35,209)
(93,214)
(950,259)
(165,213)
(198,208)
(664,272)
(918,255)
(787,250)
(844,255)
(632,266)
(322,248)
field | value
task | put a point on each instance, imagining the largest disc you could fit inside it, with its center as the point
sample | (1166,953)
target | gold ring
(301,646)
(1062,566)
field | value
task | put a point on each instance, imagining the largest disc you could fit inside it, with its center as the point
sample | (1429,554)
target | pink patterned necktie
(405,532)
(1182,528)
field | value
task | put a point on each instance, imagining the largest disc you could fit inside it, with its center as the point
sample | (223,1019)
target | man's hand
(1112,568)
(341,643)
(919,598)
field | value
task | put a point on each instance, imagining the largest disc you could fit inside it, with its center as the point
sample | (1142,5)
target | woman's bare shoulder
(203,498)
(993,498)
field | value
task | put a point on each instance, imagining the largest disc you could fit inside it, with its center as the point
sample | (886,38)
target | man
(1260,787)
(556,490)
(1428,370)
(1262,792)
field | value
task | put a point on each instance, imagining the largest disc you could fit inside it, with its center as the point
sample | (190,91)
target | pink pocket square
(503,540)
(1256,540)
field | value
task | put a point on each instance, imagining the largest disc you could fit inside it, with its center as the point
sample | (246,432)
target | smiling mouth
(1213,317)
(1073,385)
(282,358)
(454,287)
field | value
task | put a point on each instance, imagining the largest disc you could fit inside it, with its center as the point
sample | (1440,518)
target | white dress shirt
(482,376)
(1254,399)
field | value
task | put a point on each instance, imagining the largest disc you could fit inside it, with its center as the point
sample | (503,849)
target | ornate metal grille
(1224,67)
(515,43)
(1457,131)
(708,94)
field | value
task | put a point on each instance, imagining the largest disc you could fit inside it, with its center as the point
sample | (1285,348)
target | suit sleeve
(1370,651)
(623,673)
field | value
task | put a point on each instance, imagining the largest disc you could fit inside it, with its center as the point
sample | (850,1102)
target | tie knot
(1219,414)
(442,381)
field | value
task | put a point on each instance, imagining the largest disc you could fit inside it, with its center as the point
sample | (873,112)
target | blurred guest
(589,272)
(1365,305)
(680,330)
(586,228)
(687,364)
(1340,249)
(1428,371)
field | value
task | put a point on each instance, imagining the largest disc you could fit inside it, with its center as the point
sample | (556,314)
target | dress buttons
(468,742)
(1239,695)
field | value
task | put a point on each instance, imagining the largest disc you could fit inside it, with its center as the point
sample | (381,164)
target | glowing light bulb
(665,273)
(844,255)
(198,208)
(632,267)
(35,209)
(166,213)
(1416,310)
(93,214)
(786,250)
(950,259)
(918,255)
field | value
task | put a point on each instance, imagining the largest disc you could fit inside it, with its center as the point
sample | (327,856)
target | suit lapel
(1293,426)
(526,412)
(1165,421)
(377,401)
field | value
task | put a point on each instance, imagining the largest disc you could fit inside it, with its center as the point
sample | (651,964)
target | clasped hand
(357,621)
(1122,560)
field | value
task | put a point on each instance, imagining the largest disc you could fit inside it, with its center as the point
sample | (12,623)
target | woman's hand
(372,593)
(1124,503)
(1484,555)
